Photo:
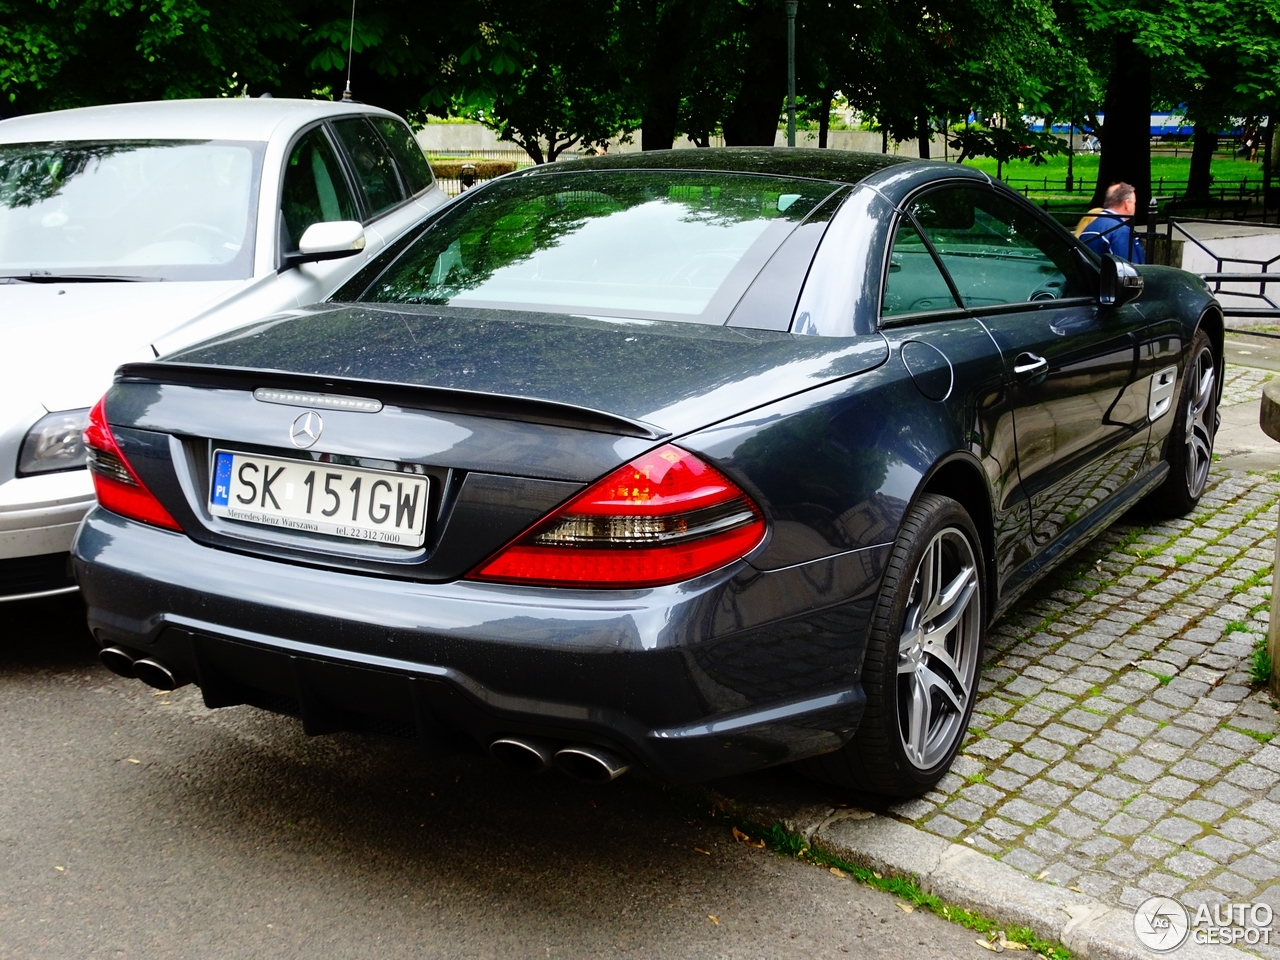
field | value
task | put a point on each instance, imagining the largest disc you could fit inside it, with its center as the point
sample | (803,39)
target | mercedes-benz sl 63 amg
(703,461)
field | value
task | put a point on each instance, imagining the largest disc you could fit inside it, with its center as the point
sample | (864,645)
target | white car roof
(227,118)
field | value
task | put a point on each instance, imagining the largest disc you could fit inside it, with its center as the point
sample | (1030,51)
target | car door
(1072,368)
(316,188)
(384,185)
(923,321)
(356,168)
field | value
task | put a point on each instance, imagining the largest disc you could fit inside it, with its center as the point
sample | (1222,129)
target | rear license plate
(320,498)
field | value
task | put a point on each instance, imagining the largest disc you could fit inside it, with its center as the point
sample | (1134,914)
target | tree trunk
(557,146)
(1202,147)
(661,76)
(824,118)
(753,120)
(1126,131)
(924,136)
(661,105)
(658,122)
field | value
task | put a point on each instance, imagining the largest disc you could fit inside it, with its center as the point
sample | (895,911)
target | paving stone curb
(1120,747)
(965,878)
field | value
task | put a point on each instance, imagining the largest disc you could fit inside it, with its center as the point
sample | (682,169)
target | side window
(314,190)
(915,284)
(404,147)
(995,252)
(375,170)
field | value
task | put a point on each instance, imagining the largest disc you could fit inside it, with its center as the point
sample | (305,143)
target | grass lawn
(1226,170)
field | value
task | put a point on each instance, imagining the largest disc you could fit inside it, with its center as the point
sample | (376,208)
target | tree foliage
(551,76)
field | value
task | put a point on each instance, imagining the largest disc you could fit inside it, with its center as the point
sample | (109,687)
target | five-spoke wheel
(1199,426)
(924,651)
(938,649)
(1189,446)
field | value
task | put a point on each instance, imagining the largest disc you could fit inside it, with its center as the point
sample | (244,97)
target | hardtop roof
(845,166)
(223,118)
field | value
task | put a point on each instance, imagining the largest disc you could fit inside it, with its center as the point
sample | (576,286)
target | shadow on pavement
(47,634)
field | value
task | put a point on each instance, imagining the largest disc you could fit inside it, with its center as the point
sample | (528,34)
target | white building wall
(460,137)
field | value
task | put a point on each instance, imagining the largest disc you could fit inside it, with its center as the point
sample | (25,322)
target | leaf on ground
(876,875)
(838,872)
(700,850)
(715,920)
(739,835)
(1042,874)
(1013,945)
(1076,889)
(988,945)
(759,844)
(905,907)
(131,760)
(58,868)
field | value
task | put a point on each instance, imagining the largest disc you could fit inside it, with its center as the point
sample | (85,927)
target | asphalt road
(138,825)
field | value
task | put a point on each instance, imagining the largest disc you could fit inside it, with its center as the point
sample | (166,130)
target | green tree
(78,52)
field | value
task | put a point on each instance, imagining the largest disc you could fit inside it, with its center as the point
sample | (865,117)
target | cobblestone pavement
(1244,385)
(1119,746)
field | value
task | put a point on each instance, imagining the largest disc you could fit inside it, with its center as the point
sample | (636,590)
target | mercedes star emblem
(306,429)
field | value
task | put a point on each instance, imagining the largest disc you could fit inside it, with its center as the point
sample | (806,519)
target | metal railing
(1246,189)
(1264,275)
(521,158)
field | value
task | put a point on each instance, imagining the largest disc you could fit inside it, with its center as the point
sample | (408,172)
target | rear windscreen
(648,244)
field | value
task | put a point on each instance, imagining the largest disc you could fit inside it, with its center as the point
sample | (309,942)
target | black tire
(910,670)
(1189,446)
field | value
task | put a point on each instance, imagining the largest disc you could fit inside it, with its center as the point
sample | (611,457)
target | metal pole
(1071,156)
(791,71)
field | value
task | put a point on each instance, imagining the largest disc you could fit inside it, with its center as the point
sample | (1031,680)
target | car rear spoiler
(416,397)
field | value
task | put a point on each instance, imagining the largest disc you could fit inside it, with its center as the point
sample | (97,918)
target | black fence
(1221,191)
(1245,278)
(1261,273)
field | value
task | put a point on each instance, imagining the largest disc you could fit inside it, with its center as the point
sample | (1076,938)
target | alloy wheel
(1200,424)
(938,649)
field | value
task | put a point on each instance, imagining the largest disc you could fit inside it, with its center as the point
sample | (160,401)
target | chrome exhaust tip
(117,661)
(155,674)
(531,756)
(592,764)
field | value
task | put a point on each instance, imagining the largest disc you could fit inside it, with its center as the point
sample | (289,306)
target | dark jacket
(1111,233)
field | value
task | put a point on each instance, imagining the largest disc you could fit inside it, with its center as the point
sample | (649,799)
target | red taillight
(664,517)
(114,480)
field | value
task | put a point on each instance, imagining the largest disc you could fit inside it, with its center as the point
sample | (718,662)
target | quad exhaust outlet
(530,756)
(117,661)
(155,674)
(580,761)
(151,672)
(590,763)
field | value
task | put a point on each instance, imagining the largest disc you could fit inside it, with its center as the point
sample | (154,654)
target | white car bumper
(38,518)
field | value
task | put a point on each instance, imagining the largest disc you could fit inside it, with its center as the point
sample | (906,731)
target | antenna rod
(351,40)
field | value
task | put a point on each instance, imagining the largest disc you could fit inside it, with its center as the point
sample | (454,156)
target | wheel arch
(1214,325)
(960,477)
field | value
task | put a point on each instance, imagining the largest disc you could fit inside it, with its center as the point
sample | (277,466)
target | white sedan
(128,231)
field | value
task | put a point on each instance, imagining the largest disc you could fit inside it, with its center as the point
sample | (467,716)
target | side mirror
(328,241)
(1119,283)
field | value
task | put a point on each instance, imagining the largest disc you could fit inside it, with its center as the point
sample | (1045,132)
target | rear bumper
(38,520)
(732,672)
(39,515)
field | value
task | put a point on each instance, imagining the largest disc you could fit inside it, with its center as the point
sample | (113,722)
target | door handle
(1028,366)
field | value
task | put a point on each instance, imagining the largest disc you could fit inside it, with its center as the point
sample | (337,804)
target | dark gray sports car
(703,460)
